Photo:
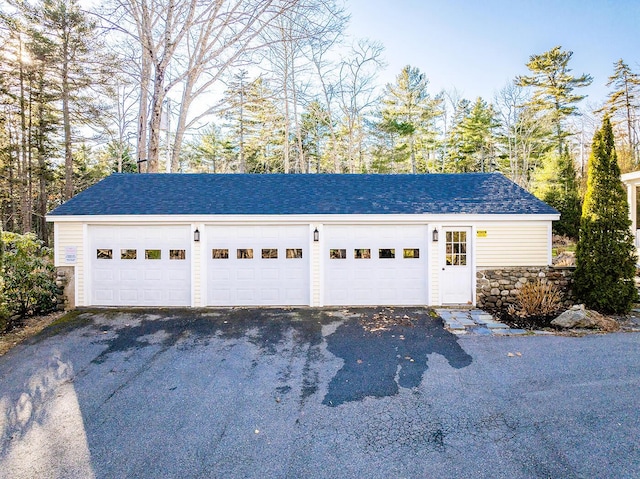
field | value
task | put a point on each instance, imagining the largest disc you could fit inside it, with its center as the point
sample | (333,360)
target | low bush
(537,304)
(537,299)
(28,278)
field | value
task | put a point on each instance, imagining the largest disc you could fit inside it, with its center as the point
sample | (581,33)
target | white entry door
(140,265)
(456,275)
(375,264)
(259,265)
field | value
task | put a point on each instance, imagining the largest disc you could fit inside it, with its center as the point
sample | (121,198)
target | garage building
(287,240)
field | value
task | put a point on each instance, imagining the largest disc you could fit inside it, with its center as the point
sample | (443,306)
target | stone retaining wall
(497,288)
(65,281)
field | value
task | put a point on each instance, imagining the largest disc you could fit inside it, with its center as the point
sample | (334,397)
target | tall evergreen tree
(624,101)
(553,89)
(79,67)
(563,193)
(316,130)
(478,137)
(408,106)
(605,254)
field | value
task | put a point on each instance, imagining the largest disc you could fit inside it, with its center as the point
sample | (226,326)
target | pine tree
(478,134)
(408,106)
(624,101)
(563,194)
(605,254)
(553,89)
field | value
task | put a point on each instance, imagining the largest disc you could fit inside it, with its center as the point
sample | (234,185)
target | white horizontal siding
(71,235)
(316,277)
(196,267)
(434,271)
(512,244)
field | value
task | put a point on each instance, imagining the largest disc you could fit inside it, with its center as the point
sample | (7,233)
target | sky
(478,46)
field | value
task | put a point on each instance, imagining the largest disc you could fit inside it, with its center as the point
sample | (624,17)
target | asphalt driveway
(314,393)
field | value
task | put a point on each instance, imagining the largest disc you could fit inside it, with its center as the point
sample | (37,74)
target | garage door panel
(269,295)
(128,274)
(103,295)
(141,281)
(375,280)
(152,295)
(245,274)
(278,281)
(179,276)
(150,275)
(128,297)
(269,274)
(246,295)
(103,275)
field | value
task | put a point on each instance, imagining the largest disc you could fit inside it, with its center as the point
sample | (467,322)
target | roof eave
(318,218)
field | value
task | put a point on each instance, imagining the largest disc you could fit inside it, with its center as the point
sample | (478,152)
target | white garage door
(140,265)
(375,265)
(257,265)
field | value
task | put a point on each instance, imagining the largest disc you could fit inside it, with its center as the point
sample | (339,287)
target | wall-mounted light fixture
(316,235)
(196,235)
(434,235)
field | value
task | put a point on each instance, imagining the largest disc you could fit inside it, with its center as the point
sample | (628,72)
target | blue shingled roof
(278,194)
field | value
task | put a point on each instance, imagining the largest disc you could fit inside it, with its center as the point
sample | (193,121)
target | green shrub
(5,318)
(605,254)
(29,285)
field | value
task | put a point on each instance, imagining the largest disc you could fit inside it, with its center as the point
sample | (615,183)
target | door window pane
(386,253)
(152,254)
(220,253)
(456,248)
(177,254)
(128,254)
(244,253)
(338,253)
(362,253)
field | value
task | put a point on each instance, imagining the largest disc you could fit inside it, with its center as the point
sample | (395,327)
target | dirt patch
(608,324)
(29,328)
(385,319)
(542,322)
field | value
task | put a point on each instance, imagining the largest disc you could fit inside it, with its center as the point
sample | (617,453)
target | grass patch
(31,327)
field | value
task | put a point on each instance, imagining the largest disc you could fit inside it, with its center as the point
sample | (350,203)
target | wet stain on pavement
(378,363)
(265,328)
(377,360)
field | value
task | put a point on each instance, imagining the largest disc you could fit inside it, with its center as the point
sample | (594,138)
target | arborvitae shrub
(605,253)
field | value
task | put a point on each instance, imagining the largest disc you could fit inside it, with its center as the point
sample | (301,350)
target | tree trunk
(296,123)
(181,126)
(413,154)
(25,214)
(145,74)
(66,121)
(42,165)
(154,121)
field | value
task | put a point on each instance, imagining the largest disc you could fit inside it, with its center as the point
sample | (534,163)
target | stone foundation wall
(497,288)
(65,281)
